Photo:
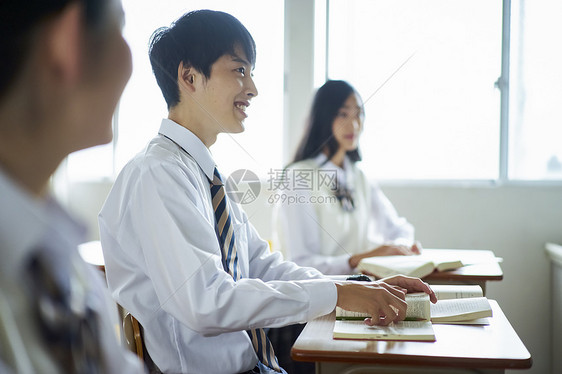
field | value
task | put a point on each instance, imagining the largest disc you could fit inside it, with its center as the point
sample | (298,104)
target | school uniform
(314,228)
(164,264)
(56,314)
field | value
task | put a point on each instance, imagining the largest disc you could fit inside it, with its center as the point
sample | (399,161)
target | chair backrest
(134,340)
(133,335)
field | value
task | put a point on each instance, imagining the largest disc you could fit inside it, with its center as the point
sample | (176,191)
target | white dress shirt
(318,232)
(29,224)
(163,263)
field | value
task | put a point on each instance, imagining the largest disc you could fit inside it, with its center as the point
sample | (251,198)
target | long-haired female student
(336,216)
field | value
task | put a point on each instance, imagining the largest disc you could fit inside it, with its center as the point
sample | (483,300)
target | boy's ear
(63,43)
(187,77)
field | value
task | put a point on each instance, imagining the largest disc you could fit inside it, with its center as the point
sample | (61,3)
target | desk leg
(347,368)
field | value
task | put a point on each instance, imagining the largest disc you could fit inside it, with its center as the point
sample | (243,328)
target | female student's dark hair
(198,38)
(20,20)
(319,135)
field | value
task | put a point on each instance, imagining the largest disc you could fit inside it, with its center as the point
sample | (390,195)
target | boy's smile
(226,94)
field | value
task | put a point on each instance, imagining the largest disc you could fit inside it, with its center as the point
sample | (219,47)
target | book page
(418,309)
(460,309)
(477,321)
(349,315)
(385,266)
(418,306)
(442,260)
(444,292)
(405,330)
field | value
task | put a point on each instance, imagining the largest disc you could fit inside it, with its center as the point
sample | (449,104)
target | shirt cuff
(323,296)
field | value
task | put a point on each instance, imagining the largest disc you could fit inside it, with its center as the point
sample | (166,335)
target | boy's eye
(241,70)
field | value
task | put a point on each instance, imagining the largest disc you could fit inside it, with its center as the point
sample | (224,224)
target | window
(426,70)
(142,106)
(536,91)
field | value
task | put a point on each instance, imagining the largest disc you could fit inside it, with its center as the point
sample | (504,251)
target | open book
(460,304)
(414,266)
(418,309)
(456,304)
(416,327)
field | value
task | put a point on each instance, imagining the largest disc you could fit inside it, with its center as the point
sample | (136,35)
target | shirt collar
(190,143)
(343,174)
(28,223)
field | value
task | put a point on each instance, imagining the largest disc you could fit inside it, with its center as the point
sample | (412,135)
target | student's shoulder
(360,176)
(161,154)
(160,160)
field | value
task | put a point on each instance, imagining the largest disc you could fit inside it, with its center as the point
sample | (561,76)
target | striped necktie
(67,323)
(225,233)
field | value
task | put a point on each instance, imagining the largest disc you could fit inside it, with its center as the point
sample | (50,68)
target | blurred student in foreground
(64,65)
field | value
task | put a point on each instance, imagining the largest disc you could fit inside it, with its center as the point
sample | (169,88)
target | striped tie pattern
(225,233)
(67,324)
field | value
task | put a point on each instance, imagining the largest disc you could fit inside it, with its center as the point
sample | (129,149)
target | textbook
(405,330)
(471,310)
(416,327)
(418,309)
(457,304)
(456,291)
(414,266)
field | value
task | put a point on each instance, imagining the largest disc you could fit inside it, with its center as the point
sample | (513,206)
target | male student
(180,256)
(64,65)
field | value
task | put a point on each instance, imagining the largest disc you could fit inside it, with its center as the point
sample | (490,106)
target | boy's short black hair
(19,21)
(198,39)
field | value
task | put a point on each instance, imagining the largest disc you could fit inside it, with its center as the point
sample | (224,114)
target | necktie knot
(217,179)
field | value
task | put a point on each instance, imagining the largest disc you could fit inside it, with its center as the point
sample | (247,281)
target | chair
(133,335)
(134,340)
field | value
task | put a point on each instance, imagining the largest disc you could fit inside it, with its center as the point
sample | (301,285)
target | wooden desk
(457,349)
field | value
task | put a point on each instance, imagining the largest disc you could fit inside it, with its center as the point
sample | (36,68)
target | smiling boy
(180,256)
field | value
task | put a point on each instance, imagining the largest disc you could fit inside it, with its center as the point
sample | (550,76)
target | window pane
(438,115)
(536,90)
(142,105)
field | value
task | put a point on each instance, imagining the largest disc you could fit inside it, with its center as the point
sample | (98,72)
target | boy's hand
(383,300)
(385,303)
(411,284)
